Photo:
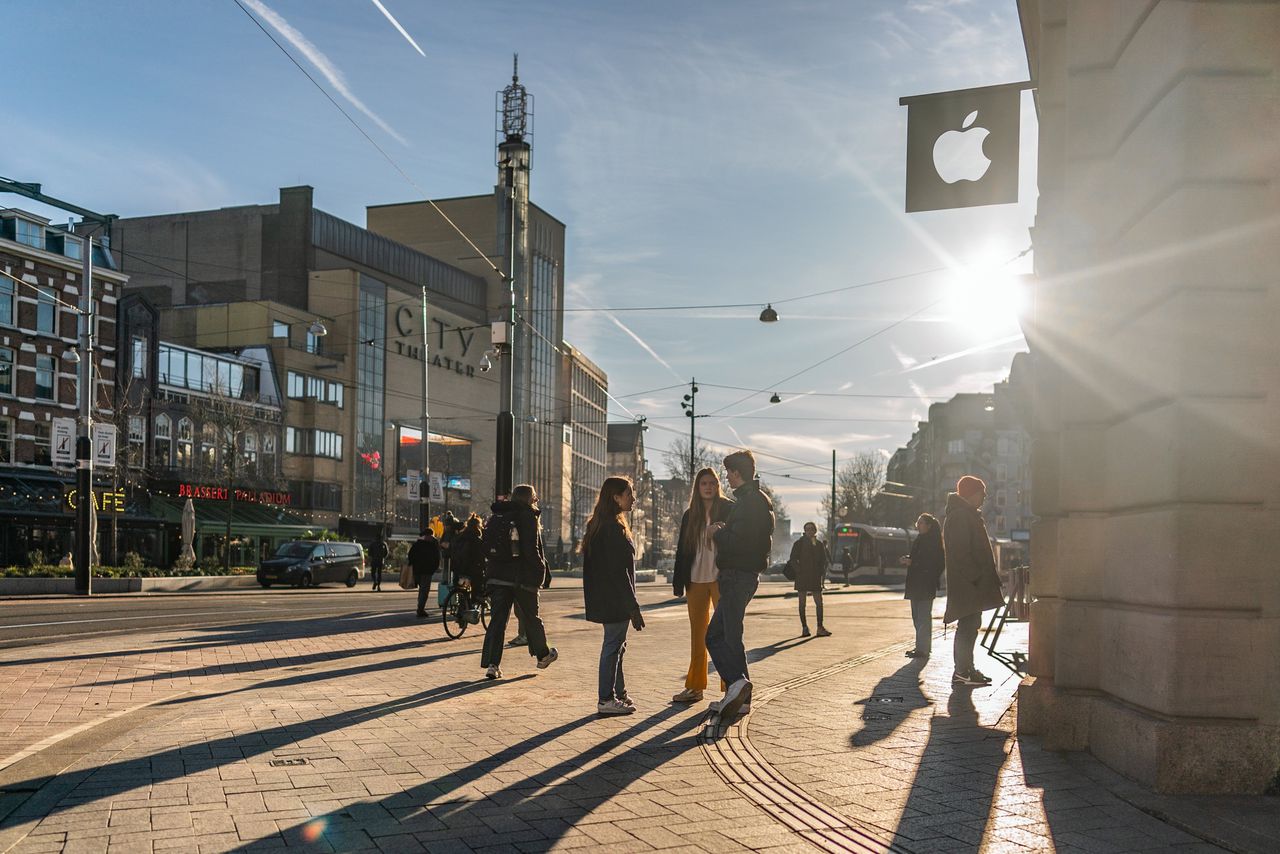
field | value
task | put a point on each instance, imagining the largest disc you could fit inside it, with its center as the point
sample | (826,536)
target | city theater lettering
(442,337)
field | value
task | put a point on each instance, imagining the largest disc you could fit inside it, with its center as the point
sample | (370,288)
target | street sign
(414,479)
(437,486)
(64,441)
(104,445)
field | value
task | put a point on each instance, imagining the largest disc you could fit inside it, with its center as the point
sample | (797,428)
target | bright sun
(986,295)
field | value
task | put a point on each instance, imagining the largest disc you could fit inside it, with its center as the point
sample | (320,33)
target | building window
(163,442)
(71,247)
(955,446)
(279,329)
(1000,528)
(313,443)
(6,371)
(137,440)
(296,386)
(30,233)
(313,342)
(251,450)
(6,302)
(138,355)
(1000,498)
(334,394)
(46,311)
(209,446)
(186,434)
(43,445)
(268,454)
(45,378)
(1002,473)
(6,440)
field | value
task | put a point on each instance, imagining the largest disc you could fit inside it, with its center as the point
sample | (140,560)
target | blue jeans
(922,619)
(612,684)
(724,633)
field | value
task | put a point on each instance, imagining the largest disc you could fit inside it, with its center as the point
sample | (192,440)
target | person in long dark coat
(809,561)
(973,586)
(924,570)
(609,588)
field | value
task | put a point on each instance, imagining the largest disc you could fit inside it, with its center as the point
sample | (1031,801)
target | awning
(246,519)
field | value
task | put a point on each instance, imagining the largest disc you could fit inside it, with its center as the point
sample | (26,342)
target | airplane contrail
(396,24)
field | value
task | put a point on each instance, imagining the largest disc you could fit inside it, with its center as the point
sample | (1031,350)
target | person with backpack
(807,567)
(378,552)
(695,575)
(609,588)
(516,568)
(424,560)
(743,542)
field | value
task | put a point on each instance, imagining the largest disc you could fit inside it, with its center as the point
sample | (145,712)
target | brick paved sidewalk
(387,739)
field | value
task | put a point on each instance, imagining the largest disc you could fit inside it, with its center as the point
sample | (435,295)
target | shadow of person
(954,787)
(891,702)
(548,803)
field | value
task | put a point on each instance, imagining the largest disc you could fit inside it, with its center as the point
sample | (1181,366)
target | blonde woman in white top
(696,575)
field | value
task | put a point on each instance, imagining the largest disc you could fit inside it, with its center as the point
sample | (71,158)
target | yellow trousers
(701,598)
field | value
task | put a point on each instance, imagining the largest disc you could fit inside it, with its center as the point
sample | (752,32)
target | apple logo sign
(958,154)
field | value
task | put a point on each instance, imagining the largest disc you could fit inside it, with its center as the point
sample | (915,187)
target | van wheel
(305,580)
(352,578)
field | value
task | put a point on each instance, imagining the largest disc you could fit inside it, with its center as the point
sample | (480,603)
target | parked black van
(306,563)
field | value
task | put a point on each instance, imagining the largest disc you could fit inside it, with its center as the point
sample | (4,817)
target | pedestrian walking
(424,560)
(450,527)
(846,563)
(809,560)
(378,552)
(743,542)
(695,575)
(516,569)
(609,588)
(924,569)
(972,583)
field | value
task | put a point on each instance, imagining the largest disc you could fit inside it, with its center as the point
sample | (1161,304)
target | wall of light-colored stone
(1156,636)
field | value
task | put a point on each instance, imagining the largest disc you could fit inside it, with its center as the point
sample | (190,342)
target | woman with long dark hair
(696,575)
(924,568)
(609,588)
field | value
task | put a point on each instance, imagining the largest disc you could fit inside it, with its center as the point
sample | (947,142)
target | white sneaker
(548,659)
(626,700)
(494,672)
(614,707)
(738,695)
(745,709)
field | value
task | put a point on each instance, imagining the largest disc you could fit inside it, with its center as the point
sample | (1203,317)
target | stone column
(1156,342)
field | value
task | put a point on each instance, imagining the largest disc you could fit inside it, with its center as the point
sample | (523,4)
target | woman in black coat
(924,568)
(808,563)
(609,588)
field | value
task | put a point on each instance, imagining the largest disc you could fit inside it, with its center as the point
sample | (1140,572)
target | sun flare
(986,295)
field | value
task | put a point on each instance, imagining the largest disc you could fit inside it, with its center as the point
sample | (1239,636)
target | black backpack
(495,542)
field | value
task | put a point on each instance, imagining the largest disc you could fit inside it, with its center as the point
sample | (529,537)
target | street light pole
(424,518)
(84,432)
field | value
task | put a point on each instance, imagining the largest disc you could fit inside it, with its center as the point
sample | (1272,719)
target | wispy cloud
(321,62)
(968,351)
(396,24)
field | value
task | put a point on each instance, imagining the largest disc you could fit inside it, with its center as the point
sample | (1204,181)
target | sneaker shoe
(688,695)
(745,709)
(518,640)
(494,672)
(614,707)
(980,676)
(917,654)
(965,679)
(804,632)
(823,632)
(548,659)
(738,695)
(626,700)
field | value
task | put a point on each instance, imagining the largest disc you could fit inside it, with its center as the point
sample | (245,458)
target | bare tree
(857,483)
(779,506)
(676,458)
(129,414)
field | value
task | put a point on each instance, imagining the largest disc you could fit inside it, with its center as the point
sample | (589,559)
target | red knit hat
(968,485)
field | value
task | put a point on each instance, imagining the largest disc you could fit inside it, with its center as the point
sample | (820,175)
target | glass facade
(370,412)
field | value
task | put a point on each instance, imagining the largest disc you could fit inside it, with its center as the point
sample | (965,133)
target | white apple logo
(958,156)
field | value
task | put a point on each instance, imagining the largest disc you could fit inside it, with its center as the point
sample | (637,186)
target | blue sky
(706,152)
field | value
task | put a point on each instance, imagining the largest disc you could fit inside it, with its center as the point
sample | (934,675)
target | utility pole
(831,534)
(84,442)
(689,405)
(424,517)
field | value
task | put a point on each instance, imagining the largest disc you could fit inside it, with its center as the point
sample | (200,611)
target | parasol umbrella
(188,557)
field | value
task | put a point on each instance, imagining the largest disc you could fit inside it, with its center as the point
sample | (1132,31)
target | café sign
(104,500)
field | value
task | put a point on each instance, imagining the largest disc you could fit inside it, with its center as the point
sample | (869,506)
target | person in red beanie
(972,583)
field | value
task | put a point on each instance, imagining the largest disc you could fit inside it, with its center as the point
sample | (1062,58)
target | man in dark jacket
(924,568)
(424,558)
(743,542)
(514,579)
(378,552)
(972,583)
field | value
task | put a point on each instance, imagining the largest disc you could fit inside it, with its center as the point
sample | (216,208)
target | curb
(176,584)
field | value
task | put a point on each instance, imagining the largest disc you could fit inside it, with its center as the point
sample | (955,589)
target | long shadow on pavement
(107,781)
(545,805)
(891,702)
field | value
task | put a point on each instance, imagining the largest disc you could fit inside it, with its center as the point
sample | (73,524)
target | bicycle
(461,609)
